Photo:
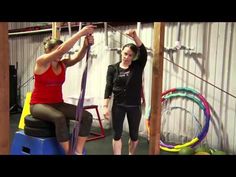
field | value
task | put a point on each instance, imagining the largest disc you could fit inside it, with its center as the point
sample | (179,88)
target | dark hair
(132,46)
(49,44)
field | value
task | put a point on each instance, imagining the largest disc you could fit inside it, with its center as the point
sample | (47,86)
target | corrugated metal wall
(211,60)
(19,25)
(23,52)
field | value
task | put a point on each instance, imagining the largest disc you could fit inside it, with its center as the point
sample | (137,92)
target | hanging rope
(79,109)
(234,96)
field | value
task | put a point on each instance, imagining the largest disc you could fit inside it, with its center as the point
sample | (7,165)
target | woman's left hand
(89,40)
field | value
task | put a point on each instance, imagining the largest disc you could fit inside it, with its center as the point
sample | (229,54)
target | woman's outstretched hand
(87,30)
(131,33)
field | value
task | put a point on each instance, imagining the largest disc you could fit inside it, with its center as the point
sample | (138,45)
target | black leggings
(133,116)
(61,114)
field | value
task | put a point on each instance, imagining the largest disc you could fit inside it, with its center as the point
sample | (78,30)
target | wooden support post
(4,90)
(56,30)
(155,124)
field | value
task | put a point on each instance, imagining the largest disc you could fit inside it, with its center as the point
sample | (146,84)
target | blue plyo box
(27,145)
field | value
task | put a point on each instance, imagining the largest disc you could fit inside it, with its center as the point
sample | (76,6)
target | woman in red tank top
(47,99)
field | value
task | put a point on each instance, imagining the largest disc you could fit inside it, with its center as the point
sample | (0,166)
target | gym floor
(101,146)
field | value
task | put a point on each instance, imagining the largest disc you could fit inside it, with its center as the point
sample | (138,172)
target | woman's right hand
(106,113)
(87,30)
(131,33)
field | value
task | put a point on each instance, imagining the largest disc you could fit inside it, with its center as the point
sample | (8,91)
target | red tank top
(48,86)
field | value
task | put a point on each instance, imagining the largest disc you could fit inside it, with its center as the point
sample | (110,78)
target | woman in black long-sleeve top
(124,80)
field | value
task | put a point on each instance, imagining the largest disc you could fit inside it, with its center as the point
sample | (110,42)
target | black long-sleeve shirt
(126,84)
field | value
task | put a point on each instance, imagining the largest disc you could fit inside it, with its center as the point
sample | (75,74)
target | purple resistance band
(79,109)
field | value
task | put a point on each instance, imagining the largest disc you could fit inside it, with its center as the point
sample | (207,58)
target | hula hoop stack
(196,97)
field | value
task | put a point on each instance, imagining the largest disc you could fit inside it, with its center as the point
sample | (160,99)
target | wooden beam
(56,30)
(4,90)
(155,120)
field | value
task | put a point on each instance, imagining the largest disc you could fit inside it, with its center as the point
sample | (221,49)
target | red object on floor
(102,132)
